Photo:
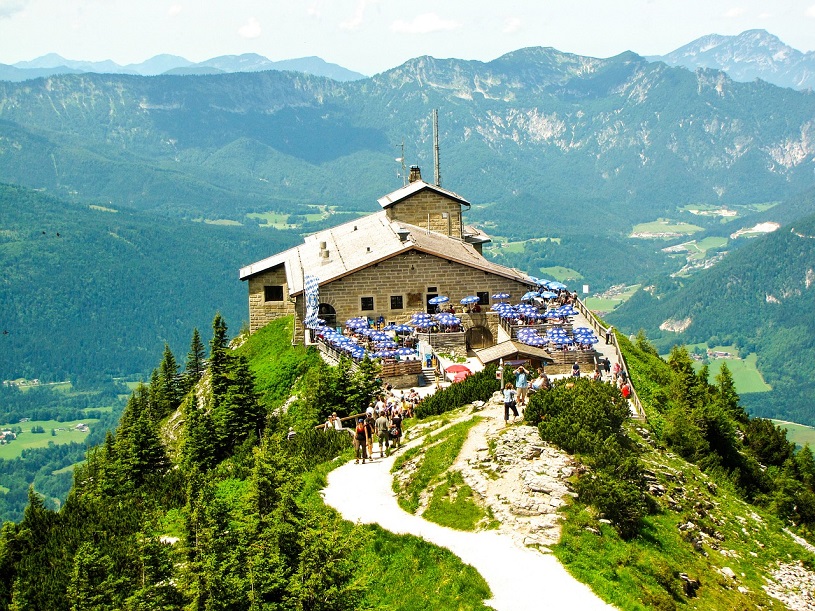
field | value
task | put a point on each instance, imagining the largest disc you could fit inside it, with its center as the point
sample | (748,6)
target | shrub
(478,387)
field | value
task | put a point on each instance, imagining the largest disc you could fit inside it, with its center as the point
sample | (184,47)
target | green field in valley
(798,433)
(561,274)
(746,376)
(611,299)
(65,433)
(663,228)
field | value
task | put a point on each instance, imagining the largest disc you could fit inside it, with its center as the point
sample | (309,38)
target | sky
(371,36)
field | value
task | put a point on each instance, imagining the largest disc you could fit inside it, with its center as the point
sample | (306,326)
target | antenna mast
(436,147)
(404,166)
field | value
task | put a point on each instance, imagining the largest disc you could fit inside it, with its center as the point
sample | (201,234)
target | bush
(586,417)
(478,387)
(578,415)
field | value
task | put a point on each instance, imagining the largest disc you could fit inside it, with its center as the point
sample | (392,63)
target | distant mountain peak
(753,54)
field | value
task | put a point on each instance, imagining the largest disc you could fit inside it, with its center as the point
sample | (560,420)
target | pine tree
(196,362)
(169,394)
(239,414)
(92,586)
(726,395)
(219,359)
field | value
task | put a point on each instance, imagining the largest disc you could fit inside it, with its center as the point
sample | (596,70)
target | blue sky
(371,36)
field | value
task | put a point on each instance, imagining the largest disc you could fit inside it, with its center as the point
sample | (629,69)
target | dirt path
(520,578)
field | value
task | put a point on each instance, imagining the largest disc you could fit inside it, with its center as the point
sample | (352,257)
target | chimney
(415,173)
(324,252)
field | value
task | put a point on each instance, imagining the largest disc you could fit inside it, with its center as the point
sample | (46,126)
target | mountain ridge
(753,54)
(53,64)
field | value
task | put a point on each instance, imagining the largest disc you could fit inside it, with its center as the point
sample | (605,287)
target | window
(366,304)
(432,289)
(273,293)
(483,298)
(397,303)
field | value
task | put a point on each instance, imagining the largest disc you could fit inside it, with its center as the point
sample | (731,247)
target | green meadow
(745,373)
(666,226)
(561,274)
(798,433)
(65,433)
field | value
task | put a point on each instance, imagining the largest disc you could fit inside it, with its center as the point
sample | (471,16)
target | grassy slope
(644,573)
(394,571)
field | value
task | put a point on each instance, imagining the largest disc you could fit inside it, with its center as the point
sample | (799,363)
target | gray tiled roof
(419,185)
(363,242)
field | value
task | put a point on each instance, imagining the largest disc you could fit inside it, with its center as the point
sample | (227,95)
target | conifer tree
(726,395)
(169,394)
(196,358)
(219,359)
(240,413)
(92,586)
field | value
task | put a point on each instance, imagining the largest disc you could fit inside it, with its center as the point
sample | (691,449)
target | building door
(432,292)
(479,337)
(328,314)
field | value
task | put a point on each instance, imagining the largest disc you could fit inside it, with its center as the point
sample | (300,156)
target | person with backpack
(382,426)
(370,426)
(361,441)
(395,432)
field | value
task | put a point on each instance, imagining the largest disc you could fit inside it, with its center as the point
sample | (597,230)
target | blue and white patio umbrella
(548,294)
(358,322)
(449,321)
(402,329)
(555,285)
(501,296)
(469,299)
(438,299)
(530,296)
(407,352)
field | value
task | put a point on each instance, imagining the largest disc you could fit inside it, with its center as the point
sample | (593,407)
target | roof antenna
(436,147)
(404,167)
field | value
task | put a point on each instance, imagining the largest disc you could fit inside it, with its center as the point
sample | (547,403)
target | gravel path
(520,578)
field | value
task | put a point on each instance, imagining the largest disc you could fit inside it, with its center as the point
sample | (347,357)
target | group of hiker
(517,395)
(382,422)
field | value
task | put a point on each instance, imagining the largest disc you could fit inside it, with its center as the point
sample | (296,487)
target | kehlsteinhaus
(385,267)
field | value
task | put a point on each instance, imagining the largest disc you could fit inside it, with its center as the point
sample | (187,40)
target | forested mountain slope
(570,139)
(90,291)
(760,298)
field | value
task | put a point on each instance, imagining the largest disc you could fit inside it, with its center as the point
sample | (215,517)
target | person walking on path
(395,432)
(370,426)
(509,403)
(361,441)
(382,434)
(522,384)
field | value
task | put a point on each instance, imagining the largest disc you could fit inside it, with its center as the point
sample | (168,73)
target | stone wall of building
(408,276)
(429,207)
(262,312)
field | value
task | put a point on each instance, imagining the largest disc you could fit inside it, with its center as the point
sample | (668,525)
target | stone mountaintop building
(385,266)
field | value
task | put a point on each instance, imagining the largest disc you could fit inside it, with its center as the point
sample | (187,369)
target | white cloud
(250,29)
(9,7)
(424,24)
(353,22)
(174,10)
(511,25)
(811,11)
(734,12)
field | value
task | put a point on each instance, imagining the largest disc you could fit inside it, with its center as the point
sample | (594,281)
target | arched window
(328,314)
